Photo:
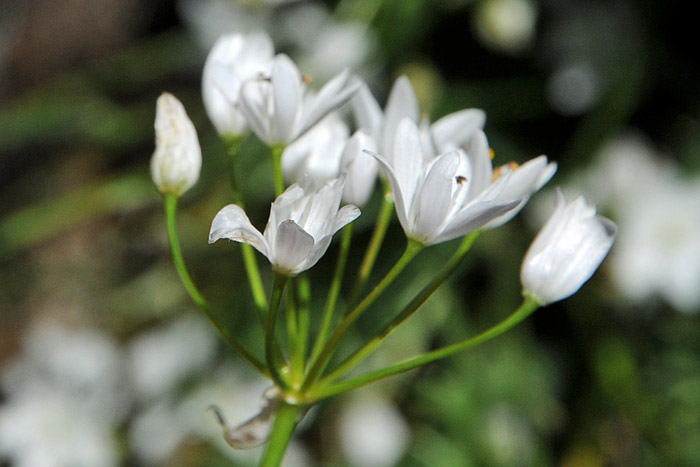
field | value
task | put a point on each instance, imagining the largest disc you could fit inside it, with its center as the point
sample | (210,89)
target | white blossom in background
(323,46)
(54,429)
(160,358)
(567,251)
(300,228)
(438,199)
(279,107)
(65,397)
(360,169)
(658,250)
(317,153)
(177,160)
(372,432)
(448,133)
(234,59)
(505,25)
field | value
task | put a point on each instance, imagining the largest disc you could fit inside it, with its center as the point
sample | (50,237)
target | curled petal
(232,223)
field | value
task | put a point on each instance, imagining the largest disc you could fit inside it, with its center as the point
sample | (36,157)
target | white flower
(360,168)
(299,230)
(567,251)
(234,59)
(177,160)
(279,109)
(448,133)
(438,199)
(373,433)
(317,153)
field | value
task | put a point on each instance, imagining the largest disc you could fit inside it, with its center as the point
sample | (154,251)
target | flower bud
(567,251)
(177,160)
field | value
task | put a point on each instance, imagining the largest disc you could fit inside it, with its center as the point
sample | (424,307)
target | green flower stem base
(528,306)
(333,294)
(270,323)
(171,202)
(282,430)
(407,312)
(412,249)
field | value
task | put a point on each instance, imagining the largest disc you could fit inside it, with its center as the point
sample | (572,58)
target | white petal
(402,103)
(367,112)
(408,159)
(433,198)
(318,250)
(232,223)
(346,214)
(288,92)
(292,246)
(254,98)
(335,93)
(472,217)
(401,207)
(360,167)
(480,160)
(456,129)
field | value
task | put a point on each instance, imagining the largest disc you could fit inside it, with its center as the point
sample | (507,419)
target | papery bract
(300,228)
(177,160)
(567,251)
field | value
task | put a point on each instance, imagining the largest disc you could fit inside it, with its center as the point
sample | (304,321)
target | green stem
(276,151)
(528,306)
(199,300)
(375,244)
(270,323)
(304,318)
(333,294)
(233,144)
(408,311)
(412,249)
(282,430)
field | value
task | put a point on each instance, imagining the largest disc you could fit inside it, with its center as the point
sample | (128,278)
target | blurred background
(104,361)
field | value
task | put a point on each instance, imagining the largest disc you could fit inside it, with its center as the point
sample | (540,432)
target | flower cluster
(439,178)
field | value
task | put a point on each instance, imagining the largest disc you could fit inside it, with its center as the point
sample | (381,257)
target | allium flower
(448,133)
(234,59)
(438,199)
(278,107)
(567,251)
(177,160)
(317,153)
(301,224)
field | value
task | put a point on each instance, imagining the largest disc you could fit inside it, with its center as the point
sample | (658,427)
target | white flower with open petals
(234,59)
(567,251)
(278,107)
(177,160)
(300,228)
(438,199)
(446,134)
